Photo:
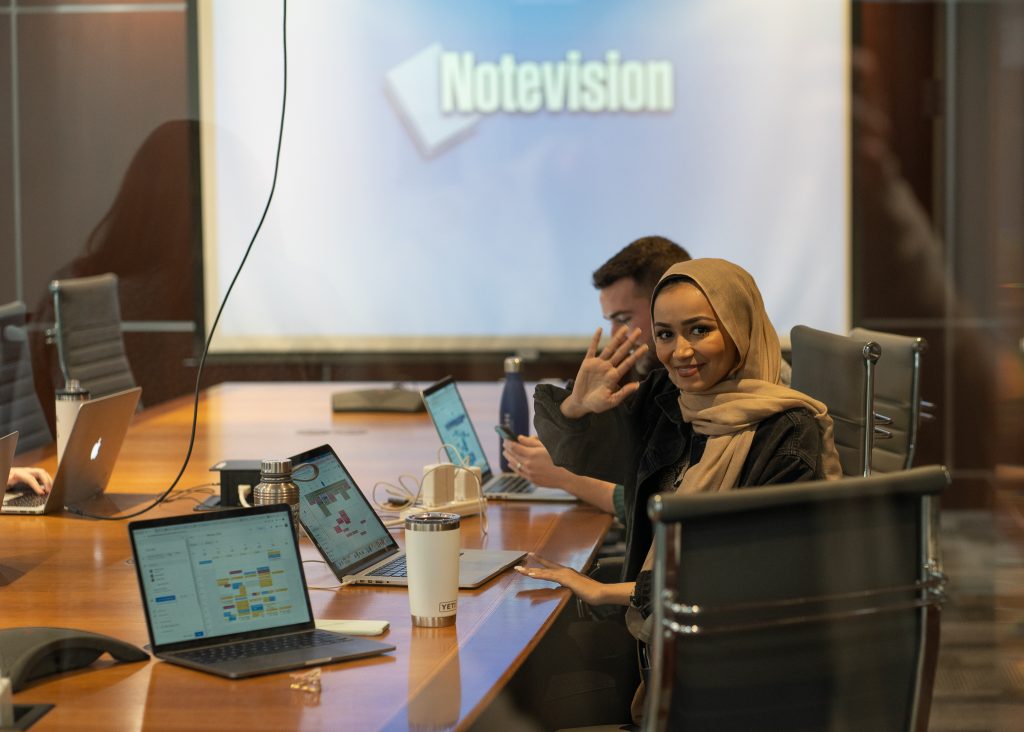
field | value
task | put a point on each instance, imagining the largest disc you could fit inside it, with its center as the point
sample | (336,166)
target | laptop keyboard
(394,568)
(510,483)
(261,647)
(27,500)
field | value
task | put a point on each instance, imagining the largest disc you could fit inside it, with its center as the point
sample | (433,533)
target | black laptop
(224,592)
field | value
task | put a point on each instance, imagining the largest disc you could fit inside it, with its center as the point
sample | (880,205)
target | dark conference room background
(99,171)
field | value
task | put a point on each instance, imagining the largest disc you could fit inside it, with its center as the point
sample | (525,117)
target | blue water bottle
(515,412)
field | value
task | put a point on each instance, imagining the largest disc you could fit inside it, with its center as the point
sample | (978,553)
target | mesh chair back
(811,606)
(897,398)
(19,404)
(839,371)
(90,347)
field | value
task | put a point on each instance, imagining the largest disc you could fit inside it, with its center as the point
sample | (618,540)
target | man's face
(624,303)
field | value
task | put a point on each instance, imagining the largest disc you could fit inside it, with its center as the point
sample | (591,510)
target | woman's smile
(687,370)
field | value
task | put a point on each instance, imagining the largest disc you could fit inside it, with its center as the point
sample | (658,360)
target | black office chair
(898,405)
(87,333)
(810,606)
(839,371)
(19,404)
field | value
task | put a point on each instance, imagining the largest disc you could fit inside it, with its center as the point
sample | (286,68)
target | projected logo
(441,95)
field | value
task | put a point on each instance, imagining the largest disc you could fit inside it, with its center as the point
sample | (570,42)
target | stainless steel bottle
(277,485)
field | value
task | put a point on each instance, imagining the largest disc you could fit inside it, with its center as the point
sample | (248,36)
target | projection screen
(453,171)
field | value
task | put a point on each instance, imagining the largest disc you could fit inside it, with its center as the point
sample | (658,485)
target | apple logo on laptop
(95,449)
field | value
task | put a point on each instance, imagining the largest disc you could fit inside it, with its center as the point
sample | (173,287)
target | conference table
(66,571)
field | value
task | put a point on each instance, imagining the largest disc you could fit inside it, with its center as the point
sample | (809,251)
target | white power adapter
(438,487)
(467,483)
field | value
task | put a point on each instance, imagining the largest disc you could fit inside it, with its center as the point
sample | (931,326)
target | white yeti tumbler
(432,562)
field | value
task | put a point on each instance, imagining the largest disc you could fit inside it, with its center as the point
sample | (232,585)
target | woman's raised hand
(598,385)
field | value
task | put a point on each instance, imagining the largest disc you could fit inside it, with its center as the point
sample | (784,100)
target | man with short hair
(624,283)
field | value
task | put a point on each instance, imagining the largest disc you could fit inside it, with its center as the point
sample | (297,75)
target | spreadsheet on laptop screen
(217,578)
(334,510)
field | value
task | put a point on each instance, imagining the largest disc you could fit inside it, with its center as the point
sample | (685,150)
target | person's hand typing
(35,478)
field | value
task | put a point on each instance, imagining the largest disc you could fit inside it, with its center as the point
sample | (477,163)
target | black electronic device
(395,399)
(32,653)
(233,475)
(506,433)
(25,715)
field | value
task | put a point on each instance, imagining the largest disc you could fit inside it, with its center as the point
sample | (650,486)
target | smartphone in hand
(506,433)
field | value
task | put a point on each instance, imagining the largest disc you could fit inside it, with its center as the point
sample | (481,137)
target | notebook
(8,445)
(448,412)
(224,592)
(88,460)
(354,542)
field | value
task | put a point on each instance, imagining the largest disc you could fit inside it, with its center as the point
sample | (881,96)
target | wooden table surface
(65,571)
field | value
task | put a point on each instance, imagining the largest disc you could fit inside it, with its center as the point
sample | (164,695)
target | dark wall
(936,225)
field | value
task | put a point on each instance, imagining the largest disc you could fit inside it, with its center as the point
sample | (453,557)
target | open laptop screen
(237,572)
(444,403)
(8,444)
(338,517)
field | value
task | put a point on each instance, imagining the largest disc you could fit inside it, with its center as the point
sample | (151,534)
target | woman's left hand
(589,590)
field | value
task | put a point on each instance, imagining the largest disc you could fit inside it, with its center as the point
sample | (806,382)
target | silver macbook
(224,592)
(8,445)
(448,412)
(354,542)
(88,460)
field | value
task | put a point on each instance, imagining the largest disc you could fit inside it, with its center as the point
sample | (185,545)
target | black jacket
(635,443)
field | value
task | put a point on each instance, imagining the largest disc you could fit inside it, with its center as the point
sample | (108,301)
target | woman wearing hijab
(717,418)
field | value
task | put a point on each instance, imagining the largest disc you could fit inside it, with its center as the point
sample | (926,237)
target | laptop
(88,460)
(448,412)
(354,542)
(224,592)
(8,445)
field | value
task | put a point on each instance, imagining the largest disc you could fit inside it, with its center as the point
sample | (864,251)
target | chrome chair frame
(894,346)
(820,350)
(685,619)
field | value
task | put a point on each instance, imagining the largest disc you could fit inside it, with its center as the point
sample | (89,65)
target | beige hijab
(729,412)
